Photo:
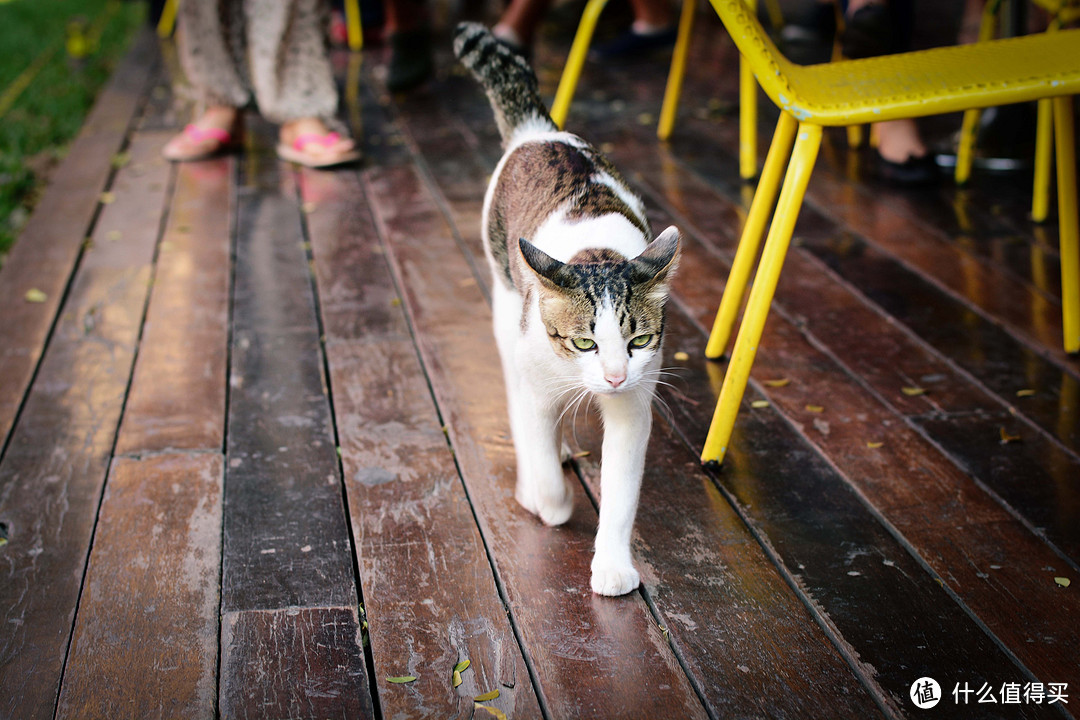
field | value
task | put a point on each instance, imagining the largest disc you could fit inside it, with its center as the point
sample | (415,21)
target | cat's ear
(547,268)
(656,263)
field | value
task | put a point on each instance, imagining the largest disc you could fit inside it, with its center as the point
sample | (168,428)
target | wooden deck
(256,461)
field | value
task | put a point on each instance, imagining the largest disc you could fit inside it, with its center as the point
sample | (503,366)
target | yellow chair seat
(929,82)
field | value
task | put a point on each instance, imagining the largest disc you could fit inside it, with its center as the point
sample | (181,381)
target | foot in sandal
(214,133)
(308,142)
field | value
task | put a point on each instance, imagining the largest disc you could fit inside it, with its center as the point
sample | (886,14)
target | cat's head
(604,313)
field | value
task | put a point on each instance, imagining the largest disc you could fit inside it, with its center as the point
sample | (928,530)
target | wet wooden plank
(50,245)
(286,538)
(177,396)
(763,653)
(52,474)
(146,638)
(592,656)
(428,591)
(293,663)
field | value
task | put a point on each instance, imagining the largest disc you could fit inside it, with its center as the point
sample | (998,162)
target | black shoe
(411,60)
(913,172)
(632,44)
(871,31)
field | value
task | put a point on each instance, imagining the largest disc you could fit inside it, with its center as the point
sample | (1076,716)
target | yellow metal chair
(846,92)
(1061,12)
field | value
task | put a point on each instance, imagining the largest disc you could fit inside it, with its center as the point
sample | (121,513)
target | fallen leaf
(308,207)
(457,678)
(760,404)
(401,680)
(462,666)
(1063,581)
(874,445)
(487,696)
(582,454)
(35,296)
(120,159)
(107,198)
(396,302)
(778,382)
(815,408)
(499,714)
(1006,438)
(681,356)
(1026,392)
(913,391)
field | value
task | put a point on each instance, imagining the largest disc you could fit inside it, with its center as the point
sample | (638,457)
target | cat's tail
(507,78)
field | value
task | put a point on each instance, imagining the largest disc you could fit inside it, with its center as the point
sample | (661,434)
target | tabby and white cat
(578,293)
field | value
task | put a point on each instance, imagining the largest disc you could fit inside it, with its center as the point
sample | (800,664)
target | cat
(578,296)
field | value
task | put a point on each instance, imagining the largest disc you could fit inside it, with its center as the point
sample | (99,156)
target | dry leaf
(107,198)
(1063,581)
(396,302)
(577,455)
(913,391)
(1006,438)
(401,680)
(457,678)
(681,356)
(487,696)
(1026,392)
(35,296)
(778,382)
(874,445)
(499,714)
(308,207)
(121,159)
(815,408)
(760,404)
(462,666)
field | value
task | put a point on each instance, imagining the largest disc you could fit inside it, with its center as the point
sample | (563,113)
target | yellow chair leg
(1068,221)
(750,241)
(677,72)
(167,21)
(747,114)
(965,146)
(1044,147)
(352,25)
(757,309)
(560,107)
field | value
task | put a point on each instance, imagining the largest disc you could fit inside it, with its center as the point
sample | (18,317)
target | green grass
(36,129)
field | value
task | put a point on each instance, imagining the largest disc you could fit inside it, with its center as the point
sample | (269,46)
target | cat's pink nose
(615,380)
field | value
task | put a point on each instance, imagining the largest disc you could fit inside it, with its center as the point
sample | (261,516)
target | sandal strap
(198,134)
(324,139)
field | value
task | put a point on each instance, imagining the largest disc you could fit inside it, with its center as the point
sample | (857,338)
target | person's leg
(518,24)
(411,58)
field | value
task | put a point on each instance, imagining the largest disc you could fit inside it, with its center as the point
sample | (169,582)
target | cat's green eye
(584,344)
(641,341)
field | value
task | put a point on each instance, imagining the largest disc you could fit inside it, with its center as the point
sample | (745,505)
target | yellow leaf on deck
(457,678)
(499,714)
(121,159)
(1006,438)
(487,696)
(815,408)
(913,391)
(462,666)
(35,296)
(874,445)
(1026,392)
(760,404)
(308,207)
(1063,581)
(778,382)
(401,679)
(681,356)
(107,198)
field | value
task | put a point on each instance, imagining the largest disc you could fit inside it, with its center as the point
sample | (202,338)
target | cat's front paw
(612,580)
(554,508)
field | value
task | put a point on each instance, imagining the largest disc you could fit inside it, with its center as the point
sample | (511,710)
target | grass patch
(60,52)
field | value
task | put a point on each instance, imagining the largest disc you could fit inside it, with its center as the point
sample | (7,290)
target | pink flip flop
(298,152)
(196,143)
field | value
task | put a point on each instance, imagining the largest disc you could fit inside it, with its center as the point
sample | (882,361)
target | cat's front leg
(627,423)
(541,486)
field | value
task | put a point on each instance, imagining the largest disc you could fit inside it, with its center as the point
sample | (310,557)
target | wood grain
(146,638)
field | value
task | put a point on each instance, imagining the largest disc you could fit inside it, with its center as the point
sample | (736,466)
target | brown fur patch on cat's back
(537,180)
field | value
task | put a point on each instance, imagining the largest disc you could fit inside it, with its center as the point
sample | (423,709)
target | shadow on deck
(256,461)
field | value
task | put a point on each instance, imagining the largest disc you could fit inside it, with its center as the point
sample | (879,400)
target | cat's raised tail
(507,78)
